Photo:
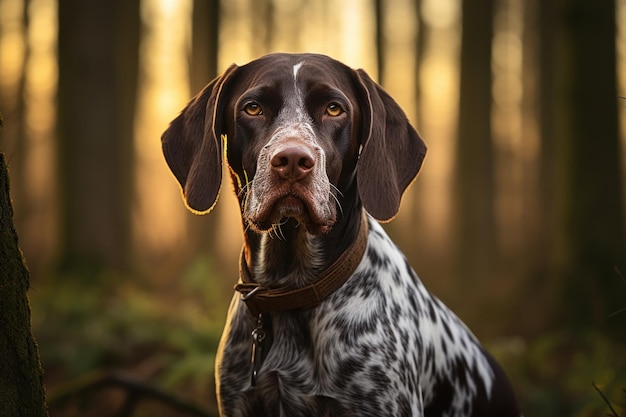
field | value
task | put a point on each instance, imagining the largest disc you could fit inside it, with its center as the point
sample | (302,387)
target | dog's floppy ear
(392,151)
(193,149)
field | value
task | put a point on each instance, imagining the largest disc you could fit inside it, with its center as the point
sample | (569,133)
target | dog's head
(298,131)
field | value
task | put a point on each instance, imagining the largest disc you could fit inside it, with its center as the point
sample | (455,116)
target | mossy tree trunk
(21,384)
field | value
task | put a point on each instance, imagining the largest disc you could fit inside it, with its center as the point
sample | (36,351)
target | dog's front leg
(233,361)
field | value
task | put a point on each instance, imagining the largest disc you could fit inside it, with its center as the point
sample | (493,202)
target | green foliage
(167,335)
(560,374)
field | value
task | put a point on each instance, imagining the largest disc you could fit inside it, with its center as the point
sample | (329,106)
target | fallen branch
(136,389)
(606,400)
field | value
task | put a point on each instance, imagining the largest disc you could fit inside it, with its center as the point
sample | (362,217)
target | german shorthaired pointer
(328,318)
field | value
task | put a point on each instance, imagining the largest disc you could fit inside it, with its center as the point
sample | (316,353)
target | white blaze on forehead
(299,104)
(296,68)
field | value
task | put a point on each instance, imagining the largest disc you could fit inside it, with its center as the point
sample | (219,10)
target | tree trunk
(379,16)
(204,43)
(21,376)
(474,183)
(589,200)
(420,49)
(98,65)
(202,230)
(538,290)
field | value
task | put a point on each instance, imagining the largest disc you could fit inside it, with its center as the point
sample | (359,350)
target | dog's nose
(293,162)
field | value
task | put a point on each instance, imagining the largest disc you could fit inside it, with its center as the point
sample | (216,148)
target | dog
(328,318)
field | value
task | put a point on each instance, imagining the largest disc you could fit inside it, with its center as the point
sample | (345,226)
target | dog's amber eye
(253,109)
(334,110)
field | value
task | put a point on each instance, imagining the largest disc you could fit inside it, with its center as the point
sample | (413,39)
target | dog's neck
(292,257)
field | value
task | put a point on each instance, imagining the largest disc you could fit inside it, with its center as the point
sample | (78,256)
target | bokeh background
(516,220)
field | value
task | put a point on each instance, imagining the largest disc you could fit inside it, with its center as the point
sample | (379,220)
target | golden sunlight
(12,46)
(40,88)
(439,86)
(506,123)
(28,94)
(163,92)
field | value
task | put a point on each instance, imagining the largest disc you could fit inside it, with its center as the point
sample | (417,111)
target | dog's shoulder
(386,317)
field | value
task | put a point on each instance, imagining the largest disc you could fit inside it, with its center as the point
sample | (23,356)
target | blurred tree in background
(474,162)
(516,221)
(203,68)
(591,249)
(98,56)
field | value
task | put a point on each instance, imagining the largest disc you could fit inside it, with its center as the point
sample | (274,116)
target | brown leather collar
(261,300)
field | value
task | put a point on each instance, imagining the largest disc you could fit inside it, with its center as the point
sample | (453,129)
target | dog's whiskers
(245,190)
(278,231)
(337,191)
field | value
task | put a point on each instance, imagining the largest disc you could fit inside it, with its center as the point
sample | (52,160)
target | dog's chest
(293,378)
(360,342)
(377,346)
(319,363)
